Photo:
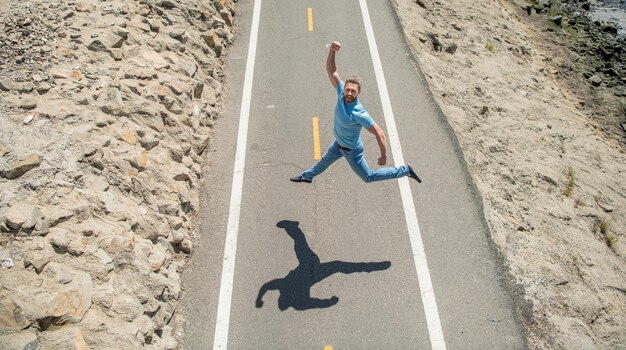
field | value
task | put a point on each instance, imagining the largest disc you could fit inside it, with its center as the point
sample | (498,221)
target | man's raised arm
(331,68)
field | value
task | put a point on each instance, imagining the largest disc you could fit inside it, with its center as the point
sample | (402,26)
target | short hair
(354,80)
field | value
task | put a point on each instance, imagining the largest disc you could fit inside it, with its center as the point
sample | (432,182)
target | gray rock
(23,87)
(36,216)
(191,71)
(198,89)
(117,54)
(155,25)
(105,259)
(7,263)
(168,208)
(121,32)
(6,84)
(158,257)
(437,46)
(148,142)
(38,259)
(186,246)
(21,167)
(28,103)
(42,88)
(56,215)
(105,42)
(15,216)
(209,95)
(67,14)
(451,49)
(176,152)
(596,80)
(67,242)
(178,34)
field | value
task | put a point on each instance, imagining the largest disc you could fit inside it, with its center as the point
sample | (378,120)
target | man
(350,117)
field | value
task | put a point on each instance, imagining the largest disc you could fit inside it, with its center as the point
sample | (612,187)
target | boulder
(67,242)
(38,259)
(6,84)
(596,80)
(126,306)
(17,215)
(105,41)
(157,60)
(158,257)
(21,167)
(56,215)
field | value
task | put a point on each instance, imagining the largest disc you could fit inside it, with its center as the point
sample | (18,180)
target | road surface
(340,264)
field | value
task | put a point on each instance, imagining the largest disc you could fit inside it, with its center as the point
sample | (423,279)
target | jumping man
(350,117)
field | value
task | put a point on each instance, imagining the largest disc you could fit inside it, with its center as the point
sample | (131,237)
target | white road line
(421,265)
(230,249)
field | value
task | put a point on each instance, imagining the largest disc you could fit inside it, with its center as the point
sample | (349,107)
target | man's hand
(382,160)
(331,68)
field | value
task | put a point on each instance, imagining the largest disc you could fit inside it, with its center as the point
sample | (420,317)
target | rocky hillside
(106,110)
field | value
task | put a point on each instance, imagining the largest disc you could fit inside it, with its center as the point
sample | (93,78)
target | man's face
(350,92)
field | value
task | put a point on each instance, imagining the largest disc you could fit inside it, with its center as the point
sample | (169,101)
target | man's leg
(332,154)
(358,164)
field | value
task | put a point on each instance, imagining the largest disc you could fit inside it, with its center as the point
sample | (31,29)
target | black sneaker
(413,175)
(300,178)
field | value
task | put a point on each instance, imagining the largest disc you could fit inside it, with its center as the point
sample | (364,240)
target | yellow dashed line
(316,140)
(328,347)
(310,11)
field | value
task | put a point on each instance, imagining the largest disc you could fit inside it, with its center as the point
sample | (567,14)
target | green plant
(579,202)
(602,226)
(571,181)
(489,47)
(610,240)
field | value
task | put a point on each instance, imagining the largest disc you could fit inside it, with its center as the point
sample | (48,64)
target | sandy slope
(548,176)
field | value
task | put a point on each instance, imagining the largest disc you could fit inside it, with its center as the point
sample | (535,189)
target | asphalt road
(336,255)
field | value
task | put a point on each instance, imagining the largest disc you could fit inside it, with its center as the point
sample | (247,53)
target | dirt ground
(543,147)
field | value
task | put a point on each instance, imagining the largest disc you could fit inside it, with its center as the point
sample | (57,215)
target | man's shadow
(295,288)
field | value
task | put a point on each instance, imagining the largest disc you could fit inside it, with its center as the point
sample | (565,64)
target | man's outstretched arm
(382,143)
(331,68)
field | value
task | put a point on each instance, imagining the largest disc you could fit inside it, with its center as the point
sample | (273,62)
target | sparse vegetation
(489,47)
(602,227)
(579,202)
(578,267)
(571,181)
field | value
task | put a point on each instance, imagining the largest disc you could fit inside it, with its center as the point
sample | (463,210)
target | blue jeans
(357,163)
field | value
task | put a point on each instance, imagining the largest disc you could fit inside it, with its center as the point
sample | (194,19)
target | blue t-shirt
(349,119)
